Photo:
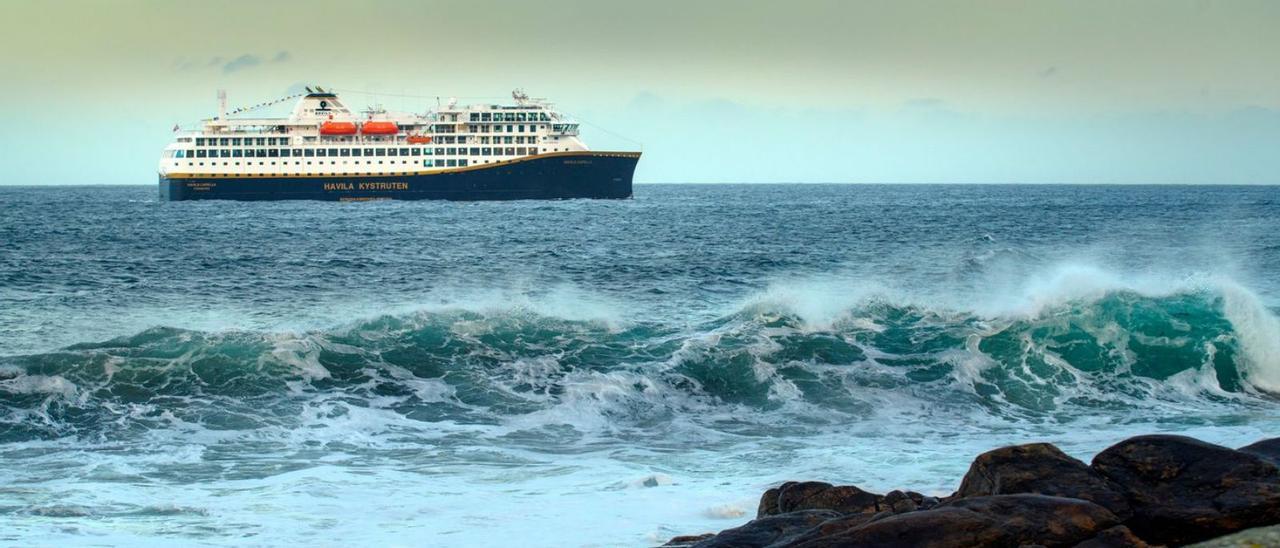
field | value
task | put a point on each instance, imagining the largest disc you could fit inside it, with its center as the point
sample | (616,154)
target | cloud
(281,57)
(242,62)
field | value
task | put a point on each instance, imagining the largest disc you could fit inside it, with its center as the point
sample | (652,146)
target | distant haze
(716,91)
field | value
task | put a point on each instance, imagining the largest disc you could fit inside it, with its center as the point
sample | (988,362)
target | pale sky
(715,91)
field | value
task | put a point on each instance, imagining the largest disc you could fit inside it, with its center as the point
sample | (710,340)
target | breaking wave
(782,361)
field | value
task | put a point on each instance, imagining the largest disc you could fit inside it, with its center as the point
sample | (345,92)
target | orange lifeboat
(419,139)
(379,128)
(338,128)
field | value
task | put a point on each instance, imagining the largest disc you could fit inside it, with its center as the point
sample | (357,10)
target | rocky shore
(1158,490)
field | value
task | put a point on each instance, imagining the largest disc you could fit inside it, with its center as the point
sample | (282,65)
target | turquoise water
(599,372)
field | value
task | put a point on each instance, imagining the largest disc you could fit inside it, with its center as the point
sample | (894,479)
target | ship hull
(603,175)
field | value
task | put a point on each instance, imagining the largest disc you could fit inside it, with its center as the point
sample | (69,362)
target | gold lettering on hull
(339,187)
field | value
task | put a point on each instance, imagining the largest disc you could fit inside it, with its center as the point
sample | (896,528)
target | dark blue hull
(547,177)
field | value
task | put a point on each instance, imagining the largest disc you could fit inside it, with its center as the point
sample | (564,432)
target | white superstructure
(324,137)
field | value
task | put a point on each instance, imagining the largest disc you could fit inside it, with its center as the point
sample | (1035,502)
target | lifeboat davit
(379,128)
(338,128)
(419,139)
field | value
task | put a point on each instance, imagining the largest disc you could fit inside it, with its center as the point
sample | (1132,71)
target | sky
(839,91)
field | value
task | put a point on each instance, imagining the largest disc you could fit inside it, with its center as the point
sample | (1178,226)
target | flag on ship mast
(176,128)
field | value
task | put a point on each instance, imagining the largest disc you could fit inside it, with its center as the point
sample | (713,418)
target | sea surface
(599,373)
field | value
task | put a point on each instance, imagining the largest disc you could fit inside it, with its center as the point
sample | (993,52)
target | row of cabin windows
(510,117)
(299,152)
(238,141)
(348,152)
(494,128)
(484,140)
(273,141)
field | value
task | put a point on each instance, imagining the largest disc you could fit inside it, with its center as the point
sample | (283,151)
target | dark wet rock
(1040,468)
(1000,520)
(1183,490)
(899,502)
(768,530)
(684,541)
(1268,450)
(817,495)
(1115,537)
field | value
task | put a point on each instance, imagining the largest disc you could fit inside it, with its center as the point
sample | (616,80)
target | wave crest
(767,365)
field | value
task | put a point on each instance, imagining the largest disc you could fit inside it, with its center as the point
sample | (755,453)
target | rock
(684,541)
(1268,450)
(1115,537)
(817,495)
(764,531)
(1183,490)
(1040,468)
(899,502)
(999,520)
(1249,538)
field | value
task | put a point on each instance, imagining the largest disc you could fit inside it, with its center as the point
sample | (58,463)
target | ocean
(599,373)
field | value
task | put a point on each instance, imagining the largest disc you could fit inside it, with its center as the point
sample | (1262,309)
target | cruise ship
(524,149)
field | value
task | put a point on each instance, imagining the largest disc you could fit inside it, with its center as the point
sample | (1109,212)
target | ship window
(475,116)
(334,152)
(235,141)
(462,163)
(484,117)
(521,151)
(439,152)
(380,152)
(475,151)
(511,151)
(297,153)
(368,152)
(273,153)
(320,152)
(271,141)
(200,154)
(486,151)
(309,153)
(237,153)
(451,151)
(439,163)
(262,153)
(453,163)
(226,153)
(178,154)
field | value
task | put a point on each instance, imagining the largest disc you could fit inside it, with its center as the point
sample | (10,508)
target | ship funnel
(222,104)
